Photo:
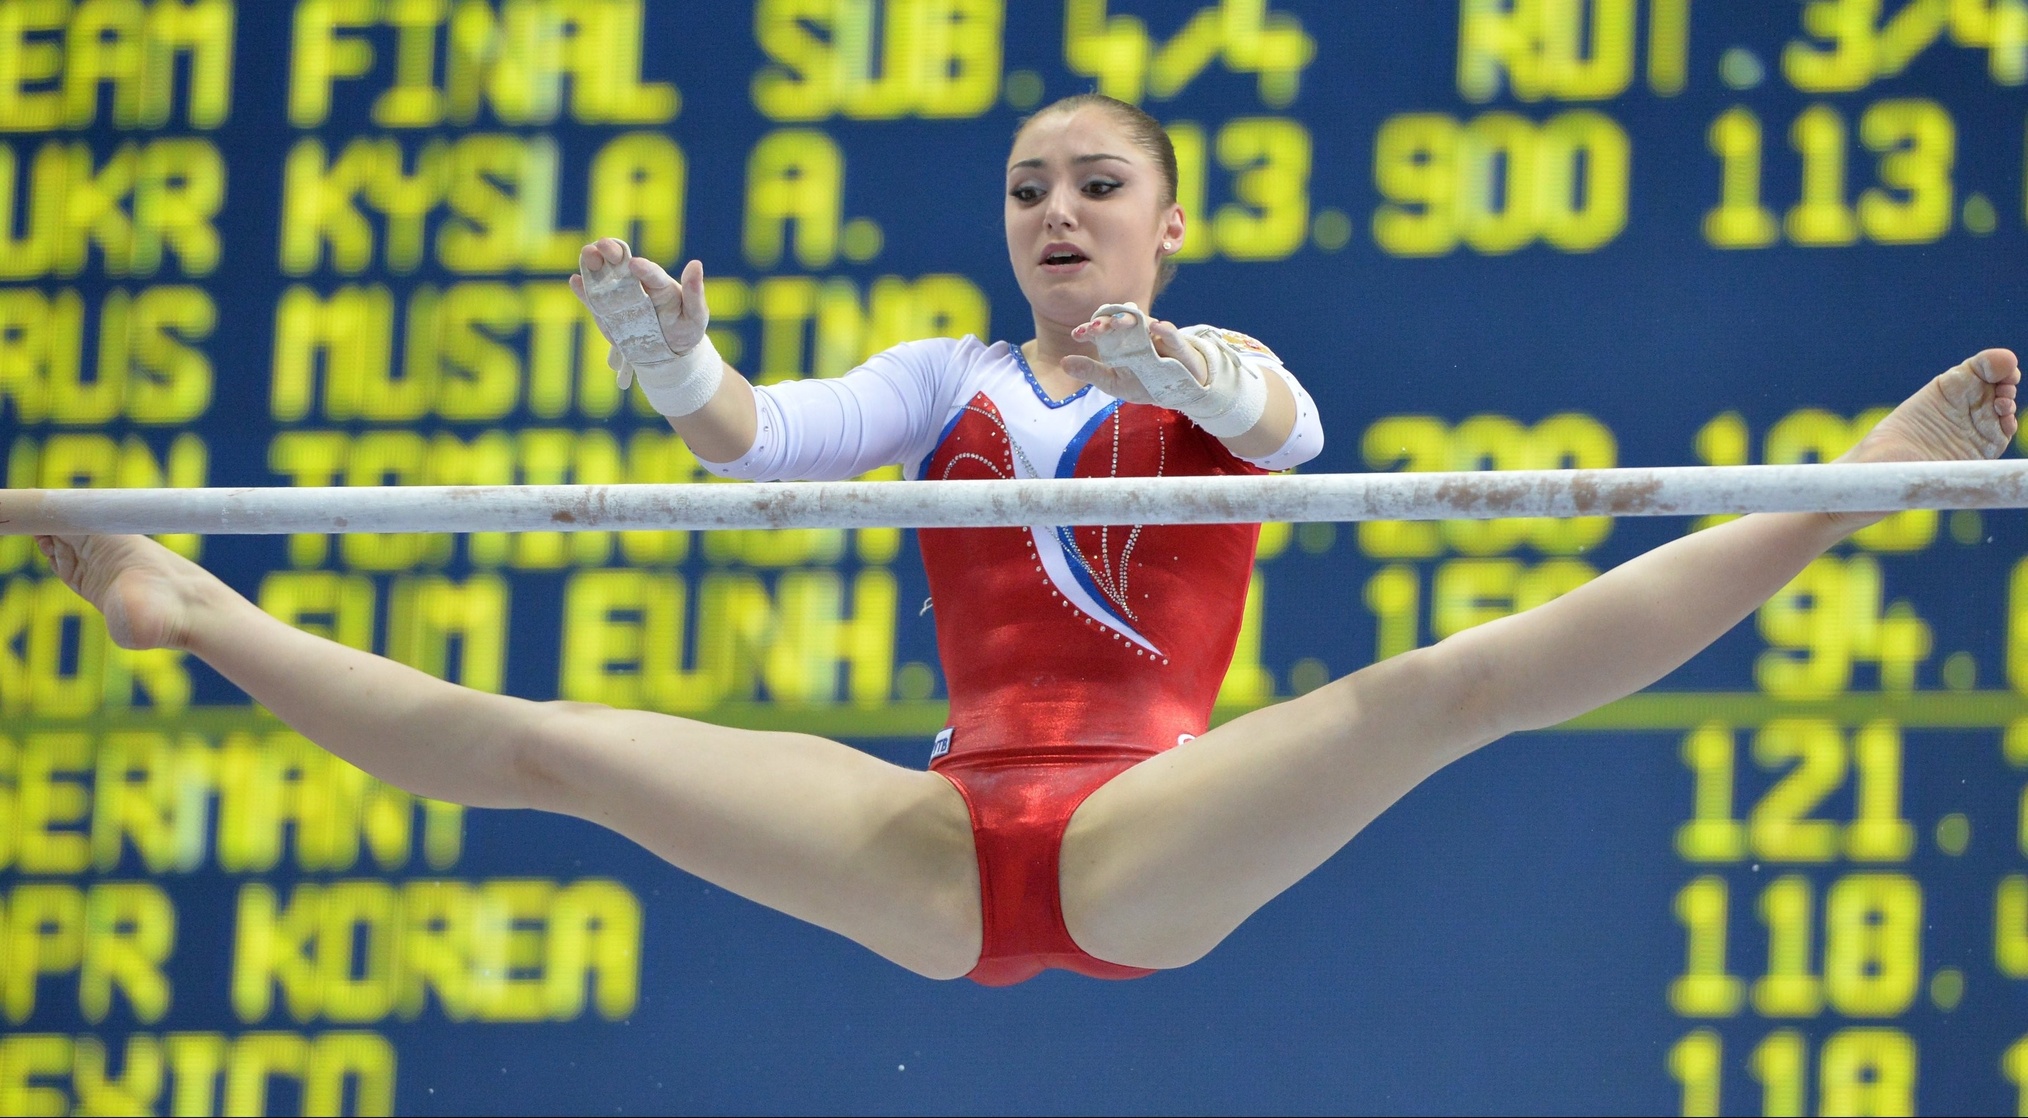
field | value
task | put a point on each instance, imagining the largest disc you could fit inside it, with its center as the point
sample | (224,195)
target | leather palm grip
(1229,405)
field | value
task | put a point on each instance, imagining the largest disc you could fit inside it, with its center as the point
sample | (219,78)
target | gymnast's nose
(1061,213)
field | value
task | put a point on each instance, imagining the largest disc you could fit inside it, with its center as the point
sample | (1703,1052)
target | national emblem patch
(1246,344)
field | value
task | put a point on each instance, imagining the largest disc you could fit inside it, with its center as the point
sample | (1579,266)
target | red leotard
(1057,688)
(1069,655)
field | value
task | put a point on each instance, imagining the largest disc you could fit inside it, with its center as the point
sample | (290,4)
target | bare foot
(1967,412)
(150,596)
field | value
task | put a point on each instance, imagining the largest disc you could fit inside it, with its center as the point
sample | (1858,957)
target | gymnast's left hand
(1119,381)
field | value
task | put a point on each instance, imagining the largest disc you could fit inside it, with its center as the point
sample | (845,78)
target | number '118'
(1866,1070)
(1872,948)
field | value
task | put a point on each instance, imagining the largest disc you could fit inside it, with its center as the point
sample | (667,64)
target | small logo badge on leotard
(943,744)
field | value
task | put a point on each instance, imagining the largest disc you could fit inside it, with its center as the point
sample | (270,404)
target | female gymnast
(1079,814)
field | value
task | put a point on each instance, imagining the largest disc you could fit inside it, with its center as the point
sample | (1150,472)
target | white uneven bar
(1664,491)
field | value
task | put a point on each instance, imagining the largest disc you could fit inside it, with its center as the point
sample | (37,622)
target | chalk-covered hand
(1154,363)
(654,322)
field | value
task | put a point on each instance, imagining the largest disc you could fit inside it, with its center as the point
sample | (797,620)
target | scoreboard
(325,242)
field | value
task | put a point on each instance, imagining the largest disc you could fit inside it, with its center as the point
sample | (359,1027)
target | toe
(1986,425)
(1997,366)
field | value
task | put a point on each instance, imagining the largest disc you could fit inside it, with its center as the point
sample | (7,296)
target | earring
(1168,246)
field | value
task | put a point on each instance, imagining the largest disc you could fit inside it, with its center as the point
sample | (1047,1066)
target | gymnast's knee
(1463,687)
(544,756)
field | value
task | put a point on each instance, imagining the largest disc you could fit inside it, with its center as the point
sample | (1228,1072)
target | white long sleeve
(886,411)
(895,407)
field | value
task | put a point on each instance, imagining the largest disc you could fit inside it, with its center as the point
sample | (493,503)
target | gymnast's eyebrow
(1082,159)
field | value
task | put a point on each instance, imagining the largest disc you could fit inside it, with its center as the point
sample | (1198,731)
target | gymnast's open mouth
(1062,256)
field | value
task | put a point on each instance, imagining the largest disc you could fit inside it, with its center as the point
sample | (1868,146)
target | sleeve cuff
(1306,438)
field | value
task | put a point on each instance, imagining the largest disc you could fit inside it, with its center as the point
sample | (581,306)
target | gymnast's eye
(1099,188)
(1026,194)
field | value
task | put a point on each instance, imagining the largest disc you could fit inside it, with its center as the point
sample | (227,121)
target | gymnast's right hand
(604,268)
(655,324)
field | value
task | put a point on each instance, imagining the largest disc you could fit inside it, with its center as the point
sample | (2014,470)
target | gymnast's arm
(1281,422)
(813,431)
(723,429)
(1289,432)
(883,412)
(1230,385)
(891,408)
(818,430)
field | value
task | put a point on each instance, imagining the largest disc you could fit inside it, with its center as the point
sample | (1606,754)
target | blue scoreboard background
(325,242)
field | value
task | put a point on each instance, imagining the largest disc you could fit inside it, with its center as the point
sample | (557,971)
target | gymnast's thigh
(1168,858)
(809,826)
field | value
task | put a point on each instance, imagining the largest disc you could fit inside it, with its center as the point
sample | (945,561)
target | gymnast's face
(1086,216)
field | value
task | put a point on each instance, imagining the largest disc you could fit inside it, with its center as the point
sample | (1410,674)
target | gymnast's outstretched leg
(1163,862)
(878,853)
